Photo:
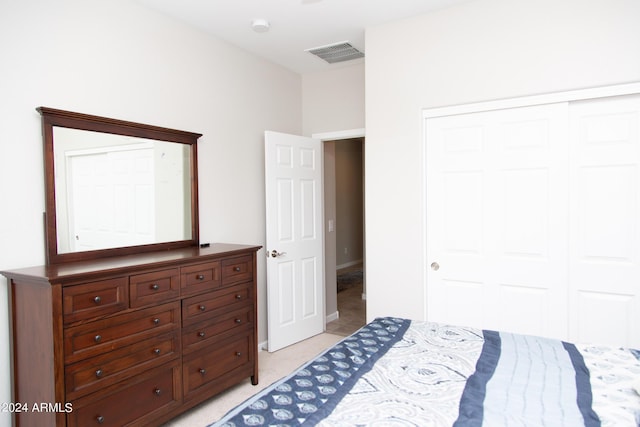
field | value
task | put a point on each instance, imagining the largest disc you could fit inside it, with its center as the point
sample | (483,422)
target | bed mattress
(398,372)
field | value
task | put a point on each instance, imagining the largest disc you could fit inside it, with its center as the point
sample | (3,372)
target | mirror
(116,187)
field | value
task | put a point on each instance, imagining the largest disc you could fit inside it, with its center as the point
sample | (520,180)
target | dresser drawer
(103,335)
(88,300)
(202,307)
(98,372)
(213,362)
(200,277)
(141,400)
(155,287)
(237,269)
(204,333)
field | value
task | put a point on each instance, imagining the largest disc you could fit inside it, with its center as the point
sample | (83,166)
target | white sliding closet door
(533,220)
(605,226)
(496,212)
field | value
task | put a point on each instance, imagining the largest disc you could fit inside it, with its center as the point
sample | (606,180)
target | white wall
(116,59)
(482,50)
(333,100)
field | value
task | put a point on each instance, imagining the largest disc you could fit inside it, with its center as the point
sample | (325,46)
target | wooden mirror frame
(53,117)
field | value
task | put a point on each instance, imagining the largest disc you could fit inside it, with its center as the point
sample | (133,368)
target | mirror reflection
(114,190)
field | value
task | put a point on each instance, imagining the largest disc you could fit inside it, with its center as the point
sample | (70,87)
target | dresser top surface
(69,271)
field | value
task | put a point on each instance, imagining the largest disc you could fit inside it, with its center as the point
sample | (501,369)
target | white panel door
(112,199)
(496,211)
(605,227)
(295,265)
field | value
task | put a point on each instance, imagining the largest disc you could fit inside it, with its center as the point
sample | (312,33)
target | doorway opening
(344,235)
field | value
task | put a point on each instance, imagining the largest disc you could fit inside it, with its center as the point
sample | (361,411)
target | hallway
(351,306)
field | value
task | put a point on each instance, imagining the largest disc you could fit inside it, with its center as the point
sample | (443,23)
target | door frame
(499,104)
(336,136)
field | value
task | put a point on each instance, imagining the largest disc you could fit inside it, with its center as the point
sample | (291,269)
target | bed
(398,372)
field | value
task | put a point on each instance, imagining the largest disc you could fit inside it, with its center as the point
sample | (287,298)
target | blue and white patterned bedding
(409,373)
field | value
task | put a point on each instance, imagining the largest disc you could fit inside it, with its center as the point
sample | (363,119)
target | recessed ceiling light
(260,25)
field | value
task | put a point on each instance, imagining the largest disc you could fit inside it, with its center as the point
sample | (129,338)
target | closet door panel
(496,182)
(605,226)
(533,219)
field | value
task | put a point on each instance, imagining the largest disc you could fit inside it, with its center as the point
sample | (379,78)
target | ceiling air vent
(337,52)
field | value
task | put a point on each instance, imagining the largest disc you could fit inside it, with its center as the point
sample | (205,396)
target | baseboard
(348,264)
(264,345)
(333,316)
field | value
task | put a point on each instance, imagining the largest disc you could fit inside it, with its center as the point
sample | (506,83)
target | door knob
(435,266)
(276,254)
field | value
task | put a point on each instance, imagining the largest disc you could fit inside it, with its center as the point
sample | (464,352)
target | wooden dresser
(132,340)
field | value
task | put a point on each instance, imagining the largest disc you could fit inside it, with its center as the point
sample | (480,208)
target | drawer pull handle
(157,392)
(97,300)
(201,334)
(202,371)
(238,296)
(155,287)
(238,321)
(156,351)
(156,321)
(97,338)
(202,308)
(200,277)
(236,269)
(238,354)
(99,373)
(100,419)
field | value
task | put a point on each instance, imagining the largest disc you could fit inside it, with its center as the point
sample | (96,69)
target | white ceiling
(296,25)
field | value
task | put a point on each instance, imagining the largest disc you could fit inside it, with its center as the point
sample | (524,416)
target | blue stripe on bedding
(523,380)
(471,408)
(311,393)
(583,385)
